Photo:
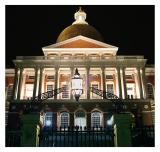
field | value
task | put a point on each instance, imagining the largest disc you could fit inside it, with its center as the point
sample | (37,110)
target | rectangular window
(9,92)
(95,96)
(110,88)
(29,90)
(65,93)
(50,87)
(131,90)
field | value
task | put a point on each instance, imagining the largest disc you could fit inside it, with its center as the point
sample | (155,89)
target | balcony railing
(76,58)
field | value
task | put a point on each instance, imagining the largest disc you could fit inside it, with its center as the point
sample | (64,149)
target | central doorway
(80,119)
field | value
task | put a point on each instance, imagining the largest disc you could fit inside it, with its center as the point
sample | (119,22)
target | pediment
(80,42)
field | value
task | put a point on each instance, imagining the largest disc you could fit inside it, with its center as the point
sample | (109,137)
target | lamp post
(77,89)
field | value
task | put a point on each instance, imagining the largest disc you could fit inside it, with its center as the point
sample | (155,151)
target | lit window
(110,88)
(150,91)
(9,91)
(29,90)
(50,87)
(96,119)
(131,90)
(64,116)
(48,119)
(65,93)
(95,96)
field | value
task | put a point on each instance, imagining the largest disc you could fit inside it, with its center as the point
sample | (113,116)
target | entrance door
(80,119)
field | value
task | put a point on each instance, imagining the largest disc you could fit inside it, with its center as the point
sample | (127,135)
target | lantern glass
(77,85)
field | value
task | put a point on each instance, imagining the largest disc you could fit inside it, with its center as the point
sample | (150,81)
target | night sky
(29,28)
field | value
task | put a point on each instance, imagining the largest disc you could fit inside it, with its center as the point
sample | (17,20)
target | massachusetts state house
(79,49)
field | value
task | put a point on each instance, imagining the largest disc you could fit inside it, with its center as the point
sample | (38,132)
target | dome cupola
(79,27)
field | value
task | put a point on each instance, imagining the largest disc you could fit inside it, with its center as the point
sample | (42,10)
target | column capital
(36,68)
(103,68)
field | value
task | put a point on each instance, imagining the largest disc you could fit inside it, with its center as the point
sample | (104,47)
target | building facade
(79,46)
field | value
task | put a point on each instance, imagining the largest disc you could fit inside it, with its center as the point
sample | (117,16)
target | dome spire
(80,17)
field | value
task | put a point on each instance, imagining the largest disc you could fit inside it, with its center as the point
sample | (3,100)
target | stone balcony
(72,105)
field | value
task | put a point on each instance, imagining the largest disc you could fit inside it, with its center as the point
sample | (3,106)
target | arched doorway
(80,119)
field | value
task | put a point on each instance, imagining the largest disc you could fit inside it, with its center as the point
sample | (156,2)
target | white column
(143,76)
(56,81)
(72,73)
(139,82)
(104,82)
(20,84)
(124,84)
(119,82)
(35,82)
(15,84)
(40,81)
(88,83)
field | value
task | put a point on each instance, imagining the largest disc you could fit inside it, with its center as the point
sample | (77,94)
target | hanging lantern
(77,84)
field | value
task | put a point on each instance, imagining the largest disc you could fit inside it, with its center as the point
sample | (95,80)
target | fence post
(30,130)
(122,129)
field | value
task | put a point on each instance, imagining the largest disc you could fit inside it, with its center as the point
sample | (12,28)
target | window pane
(95,96)
(64,119)
(50,87)
(110,88)
(95,118)
(9,92)
(150,91)
(29,90)
(65,93)
(48,119)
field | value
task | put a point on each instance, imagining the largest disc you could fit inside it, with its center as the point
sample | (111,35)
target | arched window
(150,91)
(48,119)
(96,119)
(64,119)
(80,119)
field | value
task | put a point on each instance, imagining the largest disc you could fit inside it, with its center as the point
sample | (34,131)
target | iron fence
(143,136)
(76,137)
(13,138)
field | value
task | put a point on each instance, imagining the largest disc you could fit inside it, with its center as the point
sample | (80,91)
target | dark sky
(29,28)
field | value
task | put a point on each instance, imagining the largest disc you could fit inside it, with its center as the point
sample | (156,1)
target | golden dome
(79,27)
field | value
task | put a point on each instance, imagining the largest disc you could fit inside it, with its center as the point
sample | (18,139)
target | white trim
(80,37)
(87,51)
(10,71)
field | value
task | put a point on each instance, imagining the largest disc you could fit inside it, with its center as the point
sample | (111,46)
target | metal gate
(76,137)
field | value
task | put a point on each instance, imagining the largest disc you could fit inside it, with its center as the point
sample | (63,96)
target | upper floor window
(150,91)
(110,88)
(96,86)
(131,90)
(65,93)
(9,91)
(28,90)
